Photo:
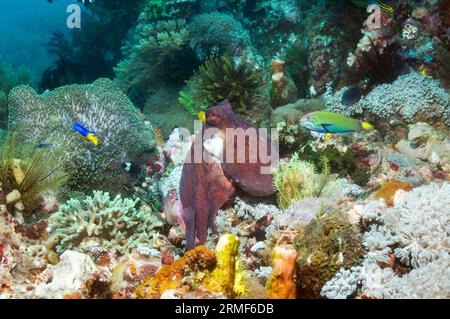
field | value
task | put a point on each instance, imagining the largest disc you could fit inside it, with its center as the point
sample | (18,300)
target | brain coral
(411,98)
(117,223)
(100,107)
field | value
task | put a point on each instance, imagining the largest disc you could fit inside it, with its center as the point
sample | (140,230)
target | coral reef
(224,78)
(101,107)
(170,277)
(407,248)
(281,283)
(283,90)
(20,261)
(215,34)
(326,245)
(201,271)
(103,194)
(117,223)
(165,43)
(28,173)
(70,277)
(410,98)
(9,78)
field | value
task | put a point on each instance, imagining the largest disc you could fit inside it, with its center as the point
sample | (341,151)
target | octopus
(208,184)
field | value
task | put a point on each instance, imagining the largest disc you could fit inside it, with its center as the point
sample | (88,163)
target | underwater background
(102,106)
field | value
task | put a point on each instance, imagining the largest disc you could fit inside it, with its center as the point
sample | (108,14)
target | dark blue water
(25,28)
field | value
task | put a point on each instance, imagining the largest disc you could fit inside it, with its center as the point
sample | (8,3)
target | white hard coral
(415,231)
(70,276)
(117,223)
(410,98)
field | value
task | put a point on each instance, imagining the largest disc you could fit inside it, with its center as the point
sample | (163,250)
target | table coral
(101,107)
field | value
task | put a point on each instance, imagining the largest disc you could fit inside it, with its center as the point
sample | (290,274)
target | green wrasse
(332,123)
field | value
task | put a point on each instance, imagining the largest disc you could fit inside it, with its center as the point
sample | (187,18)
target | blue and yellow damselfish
(85,133)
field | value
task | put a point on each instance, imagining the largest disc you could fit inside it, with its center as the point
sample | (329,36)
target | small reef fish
(131,168)
(332,123)
(385,7)
(85,133)
(352,96)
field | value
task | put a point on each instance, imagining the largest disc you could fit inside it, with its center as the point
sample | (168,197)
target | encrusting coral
(326,245)
(117,223)
(170,277)
(412,235)
(389,188)
(218,272)
(20,261)
(101,107)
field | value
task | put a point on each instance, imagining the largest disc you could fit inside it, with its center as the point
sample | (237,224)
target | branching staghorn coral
(415,232)
(101,107)
(118,223)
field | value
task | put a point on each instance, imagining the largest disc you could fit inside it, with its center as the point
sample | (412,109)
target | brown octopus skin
(205,187)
